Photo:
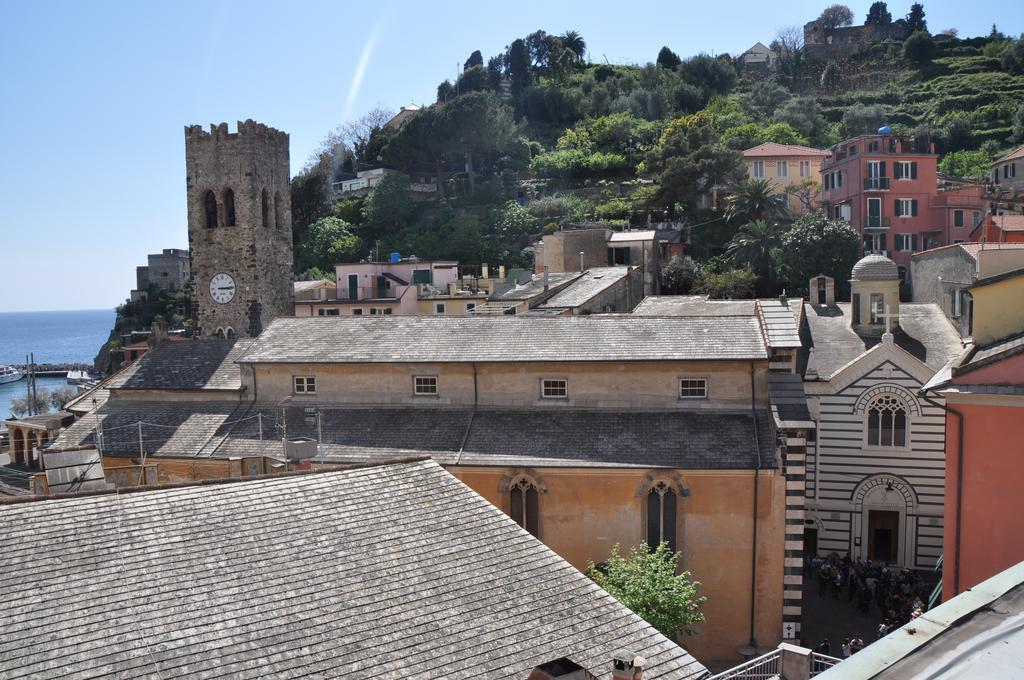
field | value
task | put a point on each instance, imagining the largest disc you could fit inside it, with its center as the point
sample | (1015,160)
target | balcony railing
(769,666)
(367,293)
(877,222)
(876,184)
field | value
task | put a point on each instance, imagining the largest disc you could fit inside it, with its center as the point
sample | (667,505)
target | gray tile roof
(348,339)
(693,305)
(875,268)
(924,332)
(985,355)
(699,439)
(585,288)
(535,286)
(387,572)
(788,400)
(187,365)
(782,321)
(74,470)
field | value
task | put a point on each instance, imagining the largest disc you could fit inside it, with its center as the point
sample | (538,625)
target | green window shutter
(913,208)
(913,243)
(899,208)
(897,171)
(881,168)
(913,170)
(628,254)
(611,257)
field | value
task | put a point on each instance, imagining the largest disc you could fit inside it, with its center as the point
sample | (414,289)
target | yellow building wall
(584,512)
(632,384)
(452,306)
(998,310)
(793,179)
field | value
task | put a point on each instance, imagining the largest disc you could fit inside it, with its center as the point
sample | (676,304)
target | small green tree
(835,16)
(972,164)
(23,406)
(668,59)
(730,284)
(878,14)
(915,19)
(816,245)
(647,583)
(754,199)
(679,275)
(1018,124)
(861,119)
(804,115)
(327,242)
(919,48)
(755,246)
(60,396)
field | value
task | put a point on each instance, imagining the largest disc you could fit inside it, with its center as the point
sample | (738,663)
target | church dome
(875,268)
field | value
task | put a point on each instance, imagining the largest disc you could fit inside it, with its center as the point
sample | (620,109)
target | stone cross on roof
(888,316)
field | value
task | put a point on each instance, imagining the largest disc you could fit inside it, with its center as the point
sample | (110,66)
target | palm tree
(755,199)
(753,245)
(575,43)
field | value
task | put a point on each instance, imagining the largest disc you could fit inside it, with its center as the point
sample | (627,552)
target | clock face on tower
(222,288)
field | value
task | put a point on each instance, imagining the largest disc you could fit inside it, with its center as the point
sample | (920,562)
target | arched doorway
(884,503)
(18,445)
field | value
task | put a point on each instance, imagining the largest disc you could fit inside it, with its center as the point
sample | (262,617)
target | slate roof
(581,291)
(169,427)
(535,286)
(46,420)
(693,305)
(74,470)
(782,321)
(997,350)
(788,400)
(1016,153)
(996,278)
(188,365)
(386,572)
(555,437)
(630,236)
(350,339)
(924,332)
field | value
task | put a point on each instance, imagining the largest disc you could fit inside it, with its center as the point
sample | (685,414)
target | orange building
(1000,229)
(984,393)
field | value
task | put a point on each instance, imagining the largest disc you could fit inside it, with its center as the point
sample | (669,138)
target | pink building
(886,187)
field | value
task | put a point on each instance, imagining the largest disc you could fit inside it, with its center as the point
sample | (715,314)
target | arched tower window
(524,504)
(210,209)
(887,422)
(229,333)
(229,208)
(661,515)
(265,207)
(220,333)
(278,217)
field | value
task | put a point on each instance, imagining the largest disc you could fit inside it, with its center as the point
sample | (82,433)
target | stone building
(169,271)
(823,43)
(239,227)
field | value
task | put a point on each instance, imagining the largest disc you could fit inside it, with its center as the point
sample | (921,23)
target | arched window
(661,516)
(220,333)
(887,422)
(265,205)
(229,333)
(524,503)
(229,208)
(278,217)
(210,209)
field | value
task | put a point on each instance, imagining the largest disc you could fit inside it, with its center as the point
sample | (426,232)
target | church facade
(875,475)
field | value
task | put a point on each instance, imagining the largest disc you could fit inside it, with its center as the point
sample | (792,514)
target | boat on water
(79,378)
(9,374)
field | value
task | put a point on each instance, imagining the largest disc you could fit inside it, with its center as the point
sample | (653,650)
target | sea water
(55,338)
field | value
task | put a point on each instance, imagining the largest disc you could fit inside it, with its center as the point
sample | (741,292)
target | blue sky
(96,95)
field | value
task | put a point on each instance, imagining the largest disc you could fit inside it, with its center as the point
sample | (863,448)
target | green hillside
(537,137)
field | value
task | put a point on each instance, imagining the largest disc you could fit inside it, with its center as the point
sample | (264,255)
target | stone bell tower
(239,228)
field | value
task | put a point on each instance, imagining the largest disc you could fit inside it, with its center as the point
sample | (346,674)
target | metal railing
(876,184)
(877,222)
(367,293)
(822,662)
(763,667)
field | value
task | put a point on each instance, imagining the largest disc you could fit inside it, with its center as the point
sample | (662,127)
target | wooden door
(810,542)
(353,286)
(883,535)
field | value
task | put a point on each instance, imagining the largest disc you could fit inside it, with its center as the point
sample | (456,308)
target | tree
(61,396)
(311,192)
(748,135)
(512,221)
(863,119)
(574,42)
(327,242)
(23,406)
(668,59)
(387,208)
(969,164)
(835,16)
(687,161)
(804,115)
(1018,124)
(764,97)
(878,14)
(518,68)
(731,284)
(754,199)
(919,48)
(473,79)
(646,581)
(789,45)
(445,91)
(817,245)
(475,59)
(711,74)
(355,134)
(478,123)
(831,76)
(915,19)
(754,246)
(679,275)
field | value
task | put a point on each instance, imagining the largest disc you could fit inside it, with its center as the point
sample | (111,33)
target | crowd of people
(899,594)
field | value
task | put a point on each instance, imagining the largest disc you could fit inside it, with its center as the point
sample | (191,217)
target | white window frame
(554,388)
(757,169)
(470,306)
(904,243)
(906,207)
(440,308)
(958,298)
(805,168)
(425,386)
(692,387)
(905,170)
(303,384)
(782,169)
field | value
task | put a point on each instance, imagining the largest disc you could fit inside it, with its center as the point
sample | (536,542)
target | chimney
(485,271)
(159,330)
(582,268)
(501,272)
(545,278)
(627,666)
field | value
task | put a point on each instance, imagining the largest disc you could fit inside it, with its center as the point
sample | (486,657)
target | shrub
(615,209)
(919,48)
